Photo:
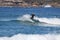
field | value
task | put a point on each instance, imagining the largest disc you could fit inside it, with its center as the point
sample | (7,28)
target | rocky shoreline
(24,4)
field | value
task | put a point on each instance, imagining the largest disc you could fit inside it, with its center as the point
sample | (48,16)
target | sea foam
(32,37)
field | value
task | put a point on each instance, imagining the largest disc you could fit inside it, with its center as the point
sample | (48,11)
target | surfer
(32,16)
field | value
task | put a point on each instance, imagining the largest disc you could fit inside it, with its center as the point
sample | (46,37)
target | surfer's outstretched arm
(32,16)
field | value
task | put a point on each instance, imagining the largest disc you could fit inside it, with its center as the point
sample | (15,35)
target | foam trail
(55,21)
(32,37)
(49,20)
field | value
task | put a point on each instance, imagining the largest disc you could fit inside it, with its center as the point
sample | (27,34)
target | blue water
(10,28)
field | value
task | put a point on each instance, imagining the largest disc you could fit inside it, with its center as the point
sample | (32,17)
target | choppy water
(15,22)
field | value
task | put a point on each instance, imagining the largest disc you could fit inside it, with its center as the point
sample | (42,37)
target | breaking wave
(26,18)
(53,21)
(32,37)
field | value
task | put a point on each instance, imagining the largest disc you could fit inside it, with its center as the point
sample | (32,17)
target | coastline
(22,3)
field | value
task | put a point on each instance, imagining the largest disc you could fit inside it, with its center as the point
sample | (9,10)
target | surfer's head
(32,16)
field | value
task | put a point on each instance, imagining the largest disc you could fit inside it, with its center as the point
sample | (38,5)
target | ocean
(15,23)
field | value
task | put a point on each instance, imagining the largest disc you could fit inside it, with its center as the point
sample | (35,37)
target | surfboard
(35,20)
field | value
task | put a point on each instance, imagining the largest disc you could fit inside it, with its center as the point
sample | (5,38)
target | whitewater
(32,37)
(52,21)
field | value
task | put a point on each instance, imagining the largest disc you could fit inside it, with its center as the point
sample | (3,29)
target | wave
(32,37)
(53,21)
(26,18)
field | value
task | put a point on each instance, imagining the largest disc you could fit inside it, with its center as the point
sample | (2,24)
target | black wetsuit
(32,17)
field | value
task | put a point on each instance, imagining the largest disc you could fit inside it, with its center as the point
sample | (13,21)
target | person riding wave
(32,16)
